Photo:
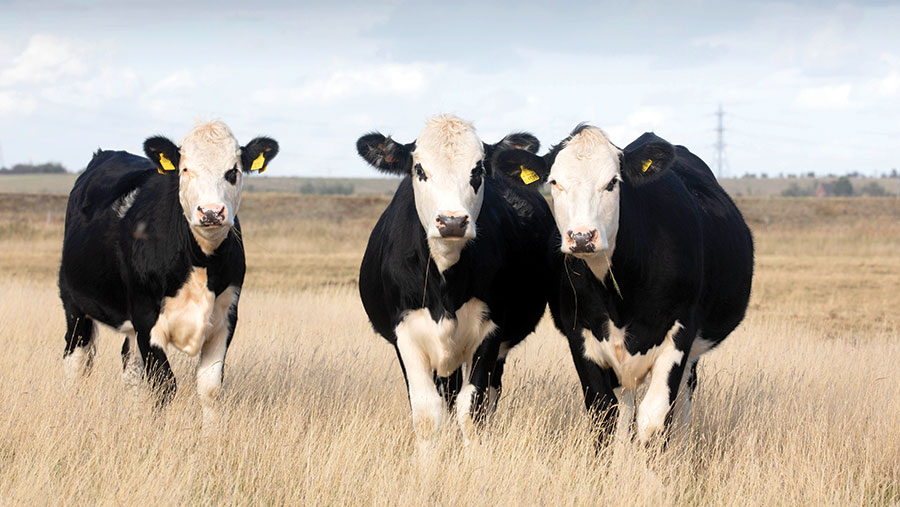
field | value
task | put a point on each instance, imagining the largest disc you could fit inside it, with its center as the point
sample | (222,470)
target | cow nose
(212,214)
(452,226)
(581,240)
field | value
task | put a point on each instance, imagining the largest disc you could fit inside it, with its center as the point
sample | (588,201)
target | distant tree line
(324,188)
(839,188)
(48,168)
(812,174)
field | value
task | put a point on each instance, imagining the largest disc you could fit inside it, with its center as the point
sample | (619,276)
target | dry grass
(799,406)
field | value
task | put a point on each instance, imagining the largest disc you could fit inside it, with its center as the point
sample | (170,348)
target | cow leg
(449,386)
(210,370)
(666,375)
(495,388)
(428,410)
(625,421)
(78,357)
(682,409)
(597,386)
(156,367)
(471,402)
(132,365)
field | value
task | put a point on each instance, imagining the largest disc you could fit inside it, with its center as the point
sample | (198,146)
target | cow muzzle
(212,215)
(452,225)
(582,240)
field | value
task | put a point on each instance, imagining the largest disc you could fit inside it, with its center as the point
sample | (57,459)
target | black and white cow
(655,269)
(454,274)
(152,248)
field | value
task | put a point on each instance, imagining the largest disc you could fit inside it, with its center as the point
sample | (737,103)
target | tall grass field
(799,406)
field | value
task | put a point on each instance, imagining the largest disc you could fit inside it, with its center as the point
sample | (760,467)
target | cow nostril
(571,235)
(592,233)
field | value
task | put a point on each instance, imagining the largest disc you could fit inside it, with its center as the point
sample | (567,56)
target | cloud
(825,98)
(45,59)
(388,79)
(14,103)
(890,85)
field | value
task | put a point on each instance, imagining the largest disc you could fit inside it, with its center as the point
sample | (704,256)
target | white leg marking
(626,413)
(133,370)
(428,409)
(655,405)
(212,356)
(209,374)
(464,401)
(79,362)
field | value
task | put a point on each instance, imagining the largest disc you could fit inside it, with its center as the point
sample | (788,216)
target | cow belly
(448,343)
(192,315)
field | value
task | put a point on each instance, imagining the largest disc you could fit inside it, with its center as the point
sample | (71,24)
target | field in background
(741,187)
(799,406)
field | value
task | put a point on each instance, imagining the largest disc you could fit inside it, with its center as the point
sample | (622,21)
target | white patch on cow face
(210,179)
(445,187)
(584,183)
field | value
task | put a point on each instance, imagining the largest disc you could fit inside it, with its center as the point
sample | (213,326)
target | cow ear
(164,154)
(385,154)
(646,158)
(517,141)
(522,167)
(258,153)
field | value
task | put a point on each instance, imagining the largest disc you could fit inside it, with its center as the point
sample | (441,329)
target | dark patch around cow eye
(231,175)
(421,173)
(477,176)
(612,184)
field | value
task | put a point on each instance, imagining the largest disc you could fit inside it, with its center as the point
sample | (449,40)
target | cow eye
(552,183)
(477,176)
(231,175)
(478,171)
(611,185)
(420,173)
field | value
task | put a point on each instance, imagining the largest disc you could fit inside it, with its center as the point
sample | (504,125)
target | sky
(804,86)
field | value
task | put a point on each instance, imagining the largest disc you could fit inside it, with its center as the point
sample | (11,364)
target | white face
(448,179)
(210,177)
(584,182)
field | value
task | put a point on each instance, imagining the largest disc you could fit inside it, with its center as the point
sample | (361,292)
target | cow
(455,273)
(152,248)
(654,268)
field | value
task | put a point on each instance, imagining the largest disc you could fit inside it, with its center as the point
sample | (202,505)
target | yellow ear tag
(165,163)
(527,175)
(258,163)
(646,165)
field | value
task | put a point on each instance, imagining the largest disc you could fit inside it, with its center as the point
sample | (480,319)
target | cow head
(585,172)
(448,165)
(210,166)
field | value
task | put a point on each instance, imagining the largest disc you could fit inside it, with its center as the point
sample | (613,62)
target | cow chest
(187,319)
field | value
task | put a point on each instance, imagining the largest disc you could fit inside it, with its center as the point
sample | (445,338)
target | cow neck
(444,254)
(600,264)
(208,240)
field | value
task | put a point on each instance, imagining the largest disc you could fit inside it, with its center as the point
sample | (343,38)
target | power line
(720,142)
